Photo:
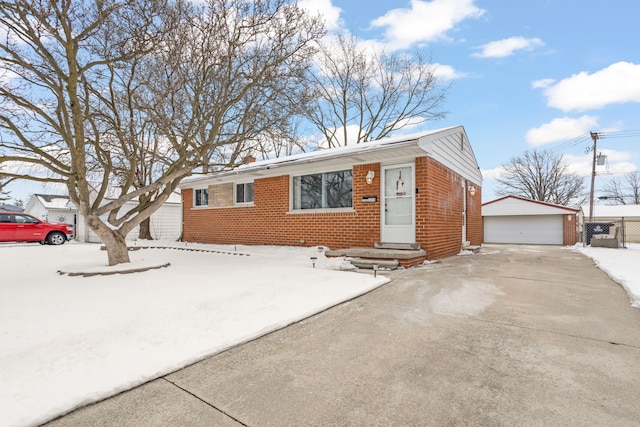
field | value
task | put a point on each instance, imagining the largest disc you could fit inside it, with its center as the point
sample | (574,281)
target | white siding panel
(166,224)
(512,206)
(524,229)
(452,148)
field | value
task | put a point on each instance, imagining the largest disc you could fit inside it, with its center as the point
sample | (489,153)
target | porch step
(472,248)
(404,257)
(368,263)
(397,246)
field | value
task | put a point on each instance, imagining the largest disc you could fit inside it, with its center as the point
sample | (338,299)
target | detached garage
(515,219)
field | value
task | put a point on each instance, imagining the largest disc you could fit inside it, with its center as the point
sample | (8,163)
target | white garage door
(531,229)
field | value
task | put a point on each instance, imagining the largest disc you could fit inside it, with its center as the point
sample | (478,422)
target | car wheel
(56,238)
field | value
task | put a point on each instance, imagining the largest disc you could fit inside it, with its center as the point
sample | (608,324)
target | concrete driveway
(525,335)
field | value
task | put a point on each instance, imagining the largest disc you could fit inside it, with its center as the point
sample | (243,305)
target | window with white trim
(201,197)
(244,193)
(323,190)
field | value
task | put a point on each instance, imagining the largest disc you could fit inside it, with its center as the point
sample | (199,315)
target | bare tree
(4,195)
(543,176)
(624,191)
(204,77)
(373,92)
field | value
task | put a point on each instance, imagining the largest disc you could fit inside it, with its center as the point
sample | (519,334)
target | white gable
(453,150)
(510,206)
(55,202)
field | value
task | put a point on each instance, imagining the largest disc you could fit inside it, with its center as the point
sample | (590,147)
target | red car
(20,227)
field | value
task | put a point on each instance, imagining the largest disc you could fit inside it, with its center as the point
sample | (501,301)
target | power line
(587,138)
(571,143)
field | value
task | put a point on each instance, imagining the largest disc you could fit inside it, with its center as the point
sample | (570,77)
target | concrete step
(368,263)
(377,253)
(397,246)
(472,248)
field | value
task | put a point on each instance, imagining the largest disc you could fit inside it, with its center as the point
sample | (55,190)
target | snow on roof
(325,154)
(613,210)
(51,201)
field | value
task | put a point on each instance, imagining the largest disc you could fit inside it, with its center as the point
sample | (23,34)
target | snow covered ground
(66,341)
(622,265)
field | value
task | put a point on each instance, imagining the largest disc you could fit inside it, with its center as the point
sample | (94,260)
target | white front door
(398,204)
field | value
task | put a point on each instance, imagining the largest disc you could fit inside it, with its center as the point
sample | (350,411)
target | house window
(244,193)
(323,190)
(202,197)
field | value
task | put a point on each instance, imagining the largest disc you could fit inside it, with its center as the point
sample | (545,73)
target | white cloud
(424,21)
(616,84)
(618,163)
(542,83)
(492,173)
(329,12)
(447,72)
(507,47)
(560,129)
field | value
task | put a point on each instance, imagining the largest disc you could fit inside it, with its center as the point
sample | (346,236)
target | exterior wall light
(370,176)
(472,191)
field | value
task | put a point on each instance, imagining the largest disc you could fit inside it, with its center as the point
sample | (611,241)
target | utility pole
(594,136)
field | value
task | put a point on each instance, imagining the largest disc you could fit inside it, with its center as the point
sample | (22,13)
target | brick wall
(221,195)
(475,226)
(570,235)
(439,210)
(268,221)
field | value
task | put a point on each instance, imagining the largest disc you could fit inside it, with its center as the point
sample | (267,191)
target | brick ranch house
(423,188)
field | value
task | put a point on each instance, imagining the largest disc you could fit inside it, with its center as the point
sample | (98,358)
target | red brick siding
(438,208)
(268,221)
(570,235)
(475,226)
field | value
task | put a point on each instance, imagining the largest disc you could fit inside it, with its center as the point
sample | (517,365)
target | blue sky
(524,74)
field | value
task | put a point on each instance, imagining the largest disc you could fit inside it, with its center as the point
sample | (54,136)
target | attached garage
(517,220)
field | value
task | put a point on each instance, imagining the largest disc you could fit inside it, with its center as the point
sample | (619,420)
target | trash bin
(593,228)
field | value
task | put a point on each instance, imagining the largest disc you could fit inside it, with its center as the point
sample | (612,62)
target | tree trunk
(145,226)
(116,246)
(114,242)
(145,230)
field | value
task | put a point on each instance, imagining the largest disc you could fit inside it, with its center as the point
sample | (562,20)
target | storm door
(398,204)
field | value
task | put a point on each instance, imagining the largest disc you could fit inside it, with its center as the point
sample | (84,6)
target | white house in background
(10,208)
(513,219)
(611,212)
(166,222)
(615,213)
(52,208)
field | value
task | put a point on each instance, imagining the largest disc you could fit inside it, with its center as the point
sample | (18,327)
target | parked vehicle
(21,227)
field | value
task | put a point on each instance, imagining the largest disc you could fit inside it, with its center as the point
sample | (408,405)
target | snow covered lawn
(66,341)
(622,265)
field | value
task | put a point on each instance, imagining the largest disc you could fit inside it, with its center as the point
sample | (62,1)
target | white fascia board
(352,155)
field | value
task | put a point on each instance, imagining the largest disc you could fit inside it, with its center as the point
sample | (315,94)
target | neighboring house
(166,222)
(423,188)
(52,208)
(10,208)
(513,219)
(614,214)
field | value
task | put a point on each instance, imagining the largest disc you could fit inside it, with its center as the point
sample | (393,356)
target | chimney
(248,159)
